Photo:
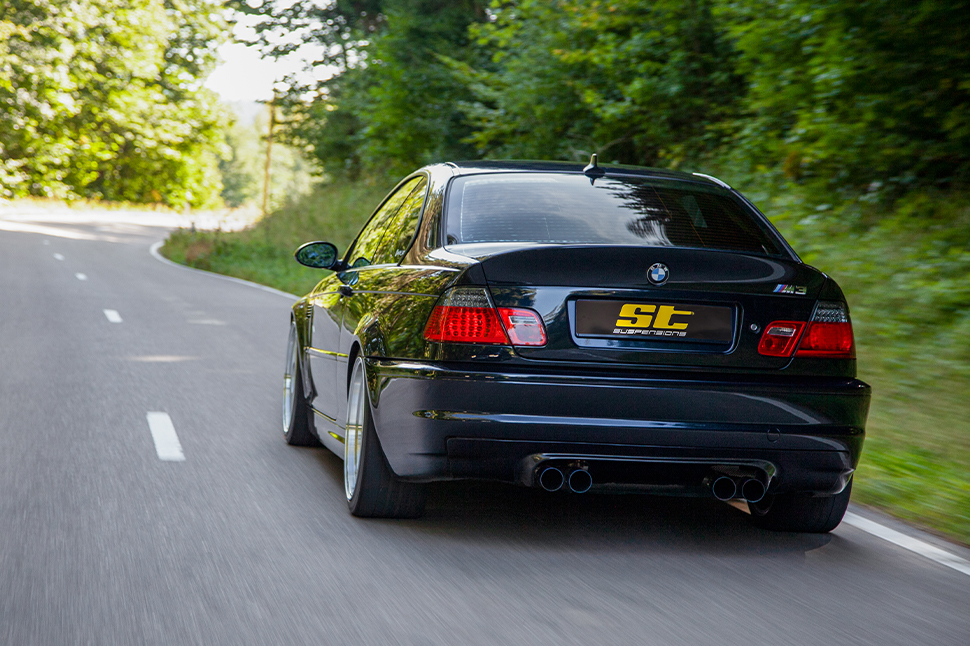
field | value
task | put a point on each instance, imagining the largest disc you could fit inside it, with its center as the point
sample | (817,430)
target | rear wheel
(373,491)
(296,411)
(800,512)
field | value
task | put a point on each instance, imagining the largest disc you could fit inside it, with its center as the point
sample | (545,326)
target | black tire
(376,492)
(297,416)
(801,512)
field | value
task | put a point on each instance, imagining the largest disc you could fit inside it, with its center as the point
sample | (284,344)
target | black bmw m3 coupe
(605,328)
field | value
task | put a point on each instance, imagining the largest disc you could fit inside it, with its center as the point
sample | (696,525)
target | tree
(391,103)
(857,94)
(637,81)
(103,98)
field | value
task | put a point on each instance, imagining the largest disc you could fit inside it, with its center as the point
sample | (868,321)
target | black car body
(609,327)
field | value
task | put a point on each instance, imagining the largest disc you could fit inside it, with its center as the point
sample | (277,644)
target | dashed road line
(113,316)
(58,256)
(167,444)
(81,276)
(908,542)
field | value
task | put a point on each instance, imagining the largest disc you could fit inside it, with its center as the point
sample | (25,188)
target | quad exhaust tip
(752,490)
(580,481)
(551,479)
(724,488)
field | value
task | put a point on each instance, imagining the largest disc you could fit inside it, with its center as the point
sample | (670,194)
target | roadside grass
(264,252)
(905,271)
(906,275)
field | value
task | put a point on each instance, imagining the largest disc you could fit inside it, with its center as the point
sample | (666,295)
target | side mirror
(319,255)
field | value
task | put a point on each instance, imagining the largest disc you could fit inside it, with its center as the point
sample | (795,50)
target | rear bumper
(440,422)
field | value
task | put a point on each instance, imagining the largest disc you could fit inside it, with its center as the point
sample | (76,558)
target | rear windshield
(558,208)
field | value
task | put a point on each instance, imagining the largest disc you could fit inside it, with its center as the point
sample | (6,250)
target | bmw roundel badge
(658,273)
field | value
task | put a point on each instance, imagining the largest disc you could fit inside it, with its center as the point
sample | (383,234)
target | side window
(367,245)
(401,227)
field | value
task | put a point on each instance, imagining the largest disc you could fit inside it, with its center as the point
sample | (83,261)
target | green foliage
(856,93)
(332,212)
(393,104)
(410,113)
(240,168)
(102,98)
(526,101)
(243,170)
(637,81)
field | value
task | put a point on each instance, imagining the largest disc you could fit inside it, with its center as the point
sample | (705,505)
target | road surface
(147,497)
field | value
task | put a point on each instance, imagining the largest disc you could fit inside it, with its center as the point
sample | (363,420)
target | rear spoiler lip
(482,251)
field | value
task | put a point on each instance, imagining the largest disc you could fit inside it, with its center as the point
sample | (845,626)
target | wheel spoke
(354,432)
(288,383)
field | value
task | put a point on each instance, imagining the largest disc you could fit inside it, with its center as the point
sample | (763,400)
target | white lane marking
(908,542)
(81,276)
(47,242)
(166,441)
(162,358)
(113,316)
(58,256)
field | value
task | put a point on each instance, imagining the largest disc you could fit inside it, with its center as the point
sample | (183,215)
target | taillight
(780,338)
(523,326)
(829,333)
(465,315)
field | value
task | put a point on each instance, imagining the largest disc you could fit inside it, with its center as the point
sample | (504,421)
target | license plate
(646,320)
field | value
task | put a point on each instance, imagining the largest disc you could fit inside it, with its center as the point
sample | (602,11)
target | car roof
(486,166)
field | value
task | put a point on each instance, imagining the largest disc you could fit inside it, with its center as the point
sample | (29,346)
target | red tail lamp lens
(780,338)
(523,326)
(828,340)
(451,324)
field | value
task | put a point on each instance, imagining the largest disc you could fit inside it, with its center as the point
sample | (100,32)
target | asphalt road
(248,540)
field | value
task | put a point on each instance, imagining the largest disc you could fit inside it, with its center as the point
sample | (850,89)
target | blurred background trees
(104,99)
(864,96)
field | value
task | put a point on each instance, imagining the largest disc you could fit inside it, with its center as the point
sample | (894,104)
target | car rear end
(625,332)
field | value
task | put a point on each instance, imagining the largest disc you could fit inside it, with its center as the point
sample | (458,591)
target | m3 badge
(796,290)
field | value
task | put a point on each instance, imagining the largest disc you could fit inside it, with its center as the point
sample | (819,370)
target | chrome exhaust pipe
(551,479)
(752,490)
(580,481)
(724,488)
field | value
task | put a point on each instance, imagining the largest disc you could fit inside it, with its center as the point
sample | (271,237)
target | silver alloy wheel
(289,381)
(356,401)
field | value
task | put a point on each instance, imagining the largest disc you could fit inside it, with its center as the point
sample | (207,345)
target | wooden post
(269,153)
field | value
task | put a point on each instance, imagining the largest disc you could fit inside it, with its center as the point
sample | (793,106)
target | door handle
(345,290)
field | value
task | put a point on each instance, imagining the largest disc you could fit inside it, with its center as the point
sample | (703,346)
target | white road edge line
(58,256)
(112,315)
(81,276)
(166,441)
(153,250)
(908,542)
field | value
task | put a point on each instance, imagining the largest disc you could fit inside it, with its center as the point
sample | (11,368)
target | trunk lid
(599,305)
